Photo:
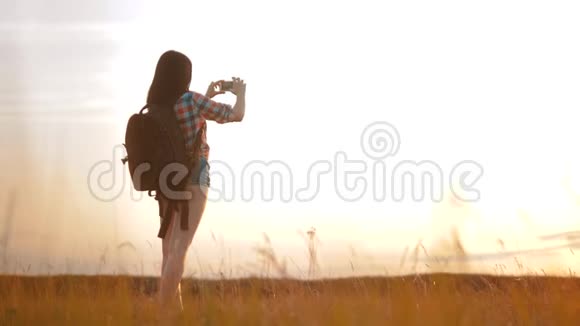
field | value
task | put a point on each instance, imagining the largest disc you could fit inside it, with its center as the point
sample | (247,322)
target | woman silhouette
(170,88)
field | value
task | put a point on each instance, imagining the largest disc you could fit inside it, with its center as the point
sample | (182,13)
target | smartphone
(227,85)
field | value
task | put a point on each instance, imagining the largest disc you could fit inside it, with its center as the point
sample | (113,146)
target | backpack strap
(167,208)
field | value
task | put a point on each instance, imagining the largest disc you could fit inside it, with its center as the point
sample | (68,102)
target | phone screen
(227,85)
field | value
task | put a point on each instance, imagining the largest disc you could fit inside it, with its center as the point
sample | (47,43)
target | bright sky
(493,82)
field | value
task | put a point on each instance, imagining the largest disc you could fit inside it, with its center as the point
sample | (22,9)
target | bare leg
(175,246)
(165,248)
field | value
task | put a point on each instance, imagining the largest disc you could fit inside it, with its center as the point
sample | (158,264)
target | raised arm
(239,89)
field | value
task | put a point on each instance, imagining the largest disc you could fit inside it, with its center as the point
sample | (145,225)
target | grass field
(438,299)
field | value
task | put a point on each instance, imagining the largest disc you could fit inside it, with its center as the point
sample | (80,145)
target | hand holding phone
(215,88)
(235,86)
(238,87)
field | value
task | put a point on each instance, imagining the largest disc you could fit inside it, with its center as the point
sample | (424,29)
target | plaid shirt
(192,110)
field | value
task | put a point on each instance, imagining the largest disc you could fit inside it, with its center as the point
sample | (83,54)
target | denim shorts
(202,178)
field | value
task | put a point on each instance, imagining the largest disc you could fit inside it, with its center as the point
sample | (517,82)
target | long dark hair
(171,80)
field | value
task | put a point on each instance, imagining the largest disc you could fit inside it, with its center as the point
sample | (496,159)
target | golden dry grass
(439,299)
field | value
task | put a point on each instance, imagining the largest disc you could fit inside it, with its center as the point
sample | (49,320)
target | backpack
(158,161)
